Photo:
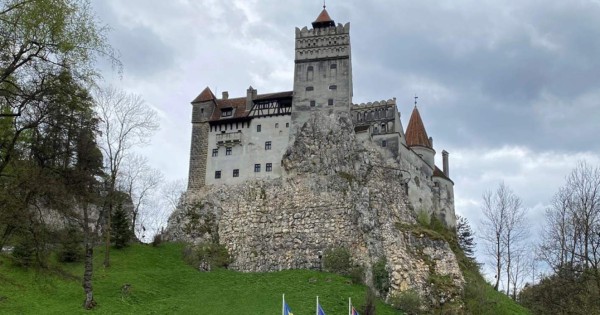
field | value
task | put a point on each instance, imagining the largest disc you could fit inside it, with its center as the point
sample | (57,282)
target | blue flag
(320,310)
(287,310)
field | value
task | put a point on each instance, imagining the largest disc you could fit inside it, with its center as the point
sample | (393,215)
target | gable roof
(238,105)
(437,172)
(415,132)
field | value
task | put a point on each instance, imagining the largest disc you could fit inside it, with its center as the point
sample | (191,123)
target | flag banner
(320,311)
(287,310)
(354,312)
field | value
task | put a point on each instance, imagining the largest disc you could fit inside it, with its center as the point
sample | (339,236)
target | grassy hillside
(161,283)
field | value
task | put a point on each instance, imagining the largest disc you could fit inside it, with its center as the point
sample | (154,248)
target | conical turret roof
(415,132)
(323,20)
(206,95)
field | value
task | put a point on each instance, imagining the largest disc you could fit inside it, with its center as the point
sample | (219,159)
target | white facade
(251,150)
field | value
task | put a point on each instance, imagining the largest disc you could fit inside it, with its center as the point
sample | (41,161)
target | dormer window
(226,112)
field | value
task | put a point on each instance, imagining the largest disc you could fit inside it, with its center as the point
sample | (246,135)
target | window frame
(217,174)
(269,167)
(268,145)
(256,168)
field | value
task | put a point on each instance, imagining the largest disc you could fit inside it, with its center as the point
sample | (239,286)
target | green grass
(161,283)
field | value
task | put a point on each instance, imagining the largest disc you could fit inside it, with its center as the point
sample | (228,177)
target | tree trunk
(89,302)
(7,232)
(107,226)
(498,263)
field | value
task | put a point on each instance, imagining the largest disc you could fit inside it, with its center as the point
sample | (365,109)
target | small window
(268,145)
(256,168)
(333,66)
(217,174)
(269,167)
(202,110)
(384,143)
(215,152)
(276,125)
(258,128)
(383,127)
(236,173)
(287,125)
(330,102)
(310,88)
(309,73)
(333,87)
(313,103)
(226,112)
(228,151)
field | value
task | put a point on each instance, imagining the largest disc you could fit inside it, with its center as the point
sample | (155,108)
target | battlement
(305,32)
(369,105)
(323,42)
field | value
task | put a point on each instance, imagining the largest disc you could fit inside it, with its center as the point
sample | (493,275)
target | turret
(203,107)
(417,139)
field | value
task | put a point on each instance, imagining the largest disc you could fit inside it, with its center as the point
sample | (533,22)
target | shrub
(423,218)
(157,240)
(407,301)
(70,249)
(369,308)
(357,275)
(206,256)
(381,277)
(337,260)
(24,253)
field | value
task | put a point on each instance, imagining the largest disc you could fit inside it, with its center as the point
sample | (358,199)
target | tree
(39,40)
(503,229)
(120,226)
(140,182)
(465,235)
(126,121)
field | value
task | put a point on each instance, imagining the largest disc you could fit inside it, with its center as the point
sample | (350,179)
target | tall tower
(203,107)
(323,70)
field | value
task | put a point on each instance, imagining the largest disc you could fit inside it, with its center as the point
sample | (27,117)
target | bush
(24,253)
(357,275)
(381,277)
(407,301)
(157,240)
(206,256)
(423,218)
(369,308)
(70,249)
(337,260)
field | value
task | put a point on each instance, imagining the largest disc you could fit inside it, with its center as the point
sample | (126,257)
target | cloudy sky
(510,89)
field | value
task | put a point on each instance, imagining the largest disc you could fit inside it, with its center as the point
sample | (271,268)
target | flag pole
(317,312)
(283,305)
(349,306)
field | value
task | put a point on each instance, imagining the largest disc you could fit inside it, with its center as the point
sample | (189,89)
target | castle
(245,138)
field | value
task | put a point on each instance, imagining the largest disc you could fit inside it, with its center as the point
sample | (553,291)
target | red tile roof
(206,95)
(415,132)
(323,17)
(437,172)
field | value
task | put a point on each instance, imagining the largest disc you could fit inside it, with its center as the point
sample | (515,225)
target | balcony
(229,138)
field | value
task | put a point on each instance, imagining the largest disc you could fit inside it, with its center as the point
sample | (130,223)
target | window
(215,152)
(333,70)
(309,73)
(201,110)
(276,125)
(256,168)
(269,167)
(228,151)
(268,145)
(310,88)
(333,66)
(384,143)
(226,112)
(383,127)
(287,125)
(217,174)
(258,128)
(333,87)
(330,102)
(312,103)
(236,173)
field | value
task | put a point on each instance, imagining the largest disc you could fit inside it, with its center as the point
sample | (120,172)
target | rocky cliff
(336,192)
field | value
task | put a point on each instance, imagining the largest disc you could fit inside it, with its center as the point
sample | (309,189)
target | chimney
(225,95)
(431,142)
(445,161)
(250,95)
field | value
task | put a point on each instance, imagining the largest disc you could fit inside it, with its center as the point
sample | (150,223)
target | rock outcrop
(336,192)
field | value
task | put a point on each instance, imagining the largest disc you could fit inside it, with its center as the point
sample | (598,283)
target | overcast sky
(510,89)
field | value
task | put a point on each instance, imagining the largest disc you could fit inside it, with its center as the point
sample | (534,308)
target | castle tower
(323,70)
(417,140)
(203,107)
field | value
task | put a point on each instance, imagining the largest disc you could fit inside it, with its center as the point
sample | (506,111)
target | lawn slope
(161,283)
